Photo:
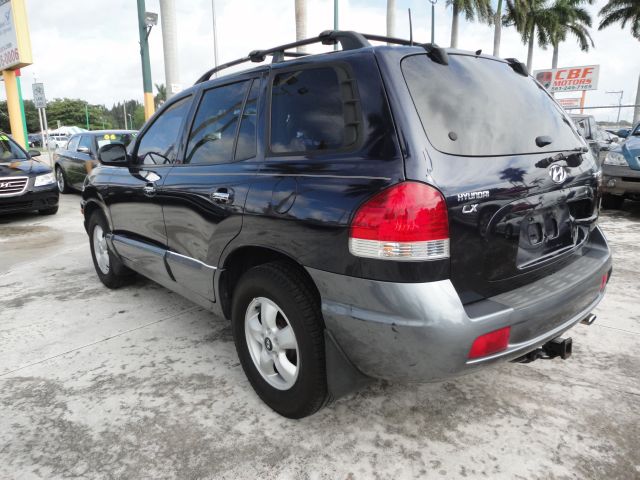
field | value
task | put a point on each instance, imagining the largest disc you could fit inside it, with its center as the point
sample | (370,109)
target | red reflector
(603,281)
(406,212)
(489,343)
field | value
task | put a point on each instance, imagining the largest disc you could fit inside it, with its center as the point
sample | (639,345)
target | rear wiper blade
(573,159)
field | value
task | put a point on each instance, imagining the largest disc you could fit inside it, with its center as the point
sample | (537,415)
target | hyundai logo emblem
(557,173)
(4,185)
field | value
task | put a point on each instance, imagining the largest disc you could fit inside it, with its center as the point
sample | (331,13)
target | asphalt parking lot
(140,383)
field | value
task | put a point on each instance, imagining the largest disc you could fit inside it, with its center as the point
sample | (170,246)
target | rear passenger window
(214,128)
(313,109)
(158,144)
(246,147)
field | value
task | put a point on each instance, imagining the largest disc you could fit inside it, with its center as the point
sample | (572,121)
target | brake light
(492,342)
(405,222)
(603,281)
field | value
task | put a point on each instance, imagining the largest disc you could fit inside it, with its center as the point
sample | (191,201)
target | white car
(57,140)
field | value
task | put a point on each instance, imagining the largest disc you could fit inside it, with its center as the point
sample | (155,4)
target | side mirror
(86,150)
(34,153)
(113,154)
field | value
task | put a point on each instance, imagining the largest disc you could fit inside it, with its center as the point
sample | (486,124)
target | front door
(135,194)
(204,194)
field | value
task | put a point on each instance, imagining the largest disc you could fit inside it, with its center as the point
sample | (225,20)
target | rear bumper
(422,332)
(620,180)
(44,197)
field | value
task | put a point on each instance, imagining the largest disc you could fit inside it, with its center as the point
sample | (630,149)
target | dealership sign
(15,45)
(571,79)
(569,102)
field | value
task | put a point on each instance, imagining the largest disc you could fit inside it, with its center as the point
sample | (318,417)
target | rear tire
(49,211)
(61,180)
(612,202)
(111,272)
(269,347)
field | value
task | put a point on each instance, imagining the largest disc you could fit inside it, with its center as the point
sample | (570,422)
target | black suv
(399,212)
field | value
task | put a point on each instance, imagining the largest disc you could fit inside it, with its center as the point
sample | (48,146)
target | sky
(89,49)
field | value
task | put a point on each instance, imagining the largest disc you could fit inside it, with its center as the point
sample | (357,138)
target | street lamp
(621,93)
(433,19)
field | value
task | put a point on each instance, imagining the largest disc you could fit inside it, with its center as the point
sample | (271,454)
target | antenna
(410,29)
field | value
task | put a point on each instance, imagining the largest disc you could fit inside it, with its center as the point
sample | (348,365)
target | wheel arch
(241,259)
(90,205)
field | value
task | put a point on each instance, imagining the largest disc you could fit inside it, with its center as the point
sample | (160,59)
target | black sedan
(80,156)
(25,184)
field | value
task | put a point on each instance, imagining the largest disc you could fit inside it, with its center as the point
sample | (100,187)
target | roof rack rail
(349,40)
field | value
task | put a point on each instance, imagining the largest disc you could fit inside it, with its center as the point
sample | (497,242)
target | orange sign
(570,79)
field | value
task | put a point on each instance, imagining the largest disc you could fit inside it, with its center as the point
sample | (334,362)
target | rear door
(521,193)
(204,194)
(80,160)
(65,155)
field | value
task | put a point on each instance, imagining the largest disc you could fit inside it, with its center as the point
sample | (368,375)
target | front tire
(279,336)
(61,180)
(108,267)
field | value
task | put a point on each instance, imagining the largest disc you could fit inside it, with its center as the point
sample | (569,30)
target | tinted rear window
(476,107)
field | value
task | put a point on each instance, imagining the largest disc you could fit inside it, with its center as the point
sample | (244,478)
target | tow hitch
(558,347)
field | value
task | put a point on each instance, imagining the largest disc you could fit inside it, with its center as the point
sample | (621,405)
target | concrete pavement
(140,383)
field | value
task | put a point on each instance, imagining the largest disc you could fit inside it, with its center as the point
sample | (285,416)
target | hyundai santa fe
(399,211)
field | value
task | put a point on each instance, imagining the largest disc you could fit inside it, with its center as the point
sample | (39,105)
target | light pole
(335,20)
(130,121)
(621,93)
(215,36)
(146,21)
(433,19)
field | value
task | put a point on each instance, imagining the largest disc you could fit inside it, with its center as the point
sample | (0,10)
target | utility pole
(86,114)
(335,20)
(215,36)
(170,46)
(391,18)
(621,93)
(145,22)
(124,107)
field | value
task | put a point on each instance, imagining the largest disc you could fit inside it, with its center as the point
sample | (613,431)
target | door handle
(222,195)
(149,189)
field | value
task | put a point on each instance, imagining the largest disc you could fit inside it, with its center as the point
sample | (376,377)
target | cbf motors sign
(571,79)
(15,44)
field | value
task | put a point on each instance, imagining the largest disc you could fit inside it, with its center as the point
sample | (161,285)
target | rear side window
(480,107)
(214,128)
(246,147)
(313,109)
(158,144)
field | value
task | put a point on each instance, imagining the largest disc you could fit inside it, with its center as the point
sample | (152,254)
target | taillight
(405,222)
(492,342)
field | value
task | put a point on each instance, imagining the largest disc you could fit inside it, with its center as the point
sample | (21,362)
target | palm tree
(161,96)
(624,11)
(471,9)
(534,20)
(301,21)
(570,18)
(497,29)
(391,17)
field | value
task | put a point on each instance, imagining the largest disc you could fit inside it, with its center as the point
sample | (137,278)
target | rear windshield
(107,138)
(477,107)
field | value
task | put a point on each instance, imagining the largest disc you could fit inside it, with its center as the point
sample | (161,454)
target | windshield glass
(479,107)
(9,151)
(123,138)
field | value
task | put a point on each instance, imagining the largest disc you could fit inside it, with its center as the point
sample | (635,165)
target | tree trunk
(530,52)
(554,60)
(391,18)
(454,26)
(301,21)
(636,110)
(497,32)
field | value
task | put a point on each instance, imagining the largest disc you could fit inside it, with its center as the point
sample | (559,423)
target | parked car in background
(599,141)
(35,140)
(25,184)
(79,155)
(376,212)
(57,140)
(621,132)
(621,172)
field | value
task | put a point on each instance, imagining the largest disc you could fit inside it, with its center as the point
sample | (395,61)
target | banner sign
(15,44)
(569,102)
(570,79)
